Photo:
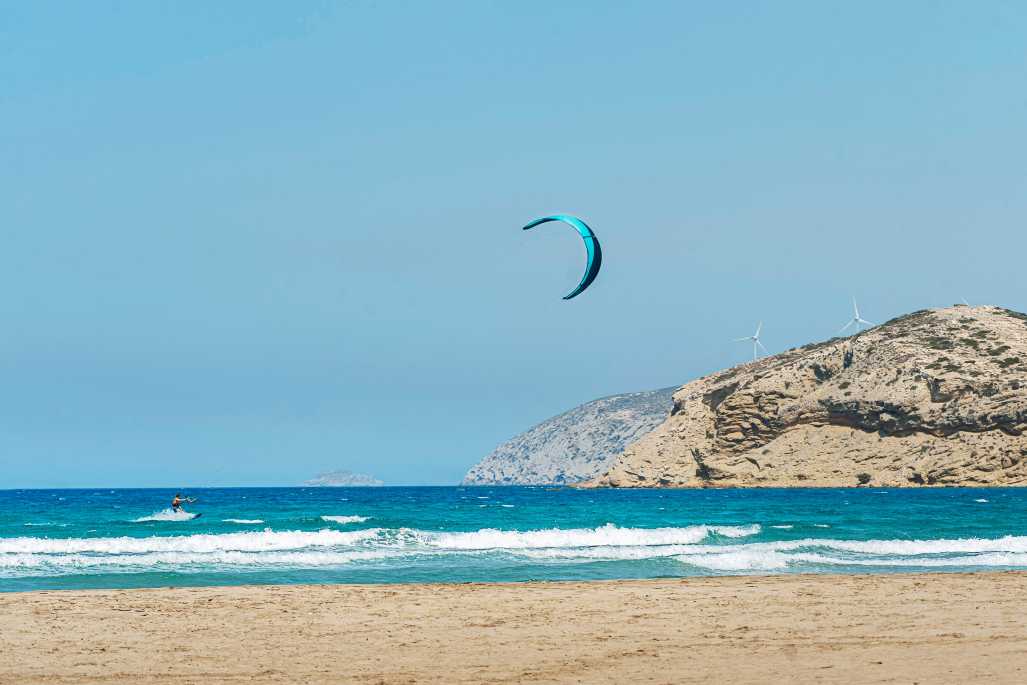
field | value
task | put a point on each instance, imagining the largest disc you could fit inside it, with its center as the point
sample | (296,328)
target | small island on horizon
(343,478)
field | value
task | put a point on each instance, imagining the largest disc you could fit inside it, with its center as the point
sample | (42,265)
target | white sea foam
(1006,551)
(1008,543)
(243,521)
(167,515)
(741,560)
(1010,551)
(750,560)
(34,564)
(608,535)
(990,559)
(784,526)
(262,541)
(345,519)
(712,548)
(603,553)
(982,500)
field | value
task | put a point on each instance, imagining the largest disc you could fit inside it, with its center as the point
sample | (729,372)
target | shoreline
(755,576)
(904,627)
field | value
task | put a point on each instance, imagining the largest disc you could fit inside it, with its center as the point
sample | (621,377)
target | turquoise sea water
(129,538)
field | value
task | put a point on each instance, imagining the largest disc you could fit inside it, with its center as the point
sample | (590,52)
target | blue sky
(246,243)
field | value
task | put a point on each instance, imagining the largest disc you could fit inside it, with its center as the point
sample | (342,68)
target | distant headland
(935,397)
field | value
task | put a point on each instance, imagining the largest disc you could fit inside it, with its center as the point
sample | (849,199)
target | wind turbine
(856,319)
(755,338)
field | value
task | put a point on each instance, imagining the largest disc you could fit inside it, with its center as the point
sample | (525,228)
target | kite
(594,252)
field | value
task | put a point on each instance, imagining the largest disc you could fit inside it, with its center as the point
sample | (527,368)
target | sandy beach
(941,628)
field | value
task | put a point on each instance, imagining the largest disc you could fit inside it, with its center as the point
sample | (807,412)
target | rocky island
(936,397)
(340,479)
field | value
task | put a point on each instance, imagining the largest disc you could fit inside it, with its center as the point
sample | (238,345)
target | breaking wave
(696,548)
(608,535)
(345,519)
(167,515)
(264,541)
(188,561)
(815,554)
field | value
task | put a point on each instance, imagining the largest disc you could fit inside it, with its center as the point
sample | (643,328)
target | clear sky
(246,242)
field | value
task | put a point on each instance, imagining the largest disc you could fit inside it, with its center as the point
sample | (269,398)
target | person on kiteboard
(176,503)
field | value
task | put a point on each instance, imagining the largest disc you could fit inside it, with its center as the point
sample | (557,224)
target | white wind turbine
(856,319)
(755,338)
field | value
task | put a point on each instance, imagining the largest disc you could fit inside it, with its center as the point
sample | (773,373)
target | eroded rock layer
(936,397)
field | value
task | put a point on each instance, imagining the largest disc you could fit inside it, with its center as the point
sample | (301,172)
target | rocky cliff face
(575,446)
(936,397)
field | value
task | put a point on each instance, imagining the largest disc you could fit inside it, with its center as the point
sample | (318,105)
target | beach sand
(941,628)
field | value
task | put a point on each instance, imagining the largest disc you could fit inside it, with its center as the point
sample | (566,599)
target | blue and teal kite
(595,253)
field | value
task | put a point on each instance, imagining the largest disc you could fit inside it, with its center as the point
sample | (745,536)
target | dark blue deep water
(129,538)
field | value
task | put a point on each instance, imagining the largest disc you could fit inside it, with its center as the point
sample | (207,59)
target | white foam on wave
(262,541)
(981,500)
(603,553)
(607,535)
(740,560)
(784,526)
(989,559)
(896,548)
(345,519)
(167,515)
(1008,551)
(36,564)
(712,548)
(1008,543)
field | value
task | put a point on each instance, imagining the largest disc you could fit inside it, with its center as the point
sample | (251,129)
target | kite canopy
(595,253)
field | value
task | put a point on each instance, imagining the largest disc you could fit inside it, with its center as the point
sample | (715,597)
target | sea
(103,538)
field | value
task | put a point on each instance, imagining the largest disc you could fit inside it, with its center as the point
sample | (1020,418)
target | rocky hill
(576,445)
(935,397)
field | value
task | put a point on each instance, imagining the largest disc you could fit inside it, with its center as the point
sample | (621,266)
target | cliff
(576,445)
(936,397)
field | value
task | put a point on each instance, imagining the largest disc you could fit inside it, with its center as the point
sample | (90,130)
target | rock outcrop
(576,445)
(936,397)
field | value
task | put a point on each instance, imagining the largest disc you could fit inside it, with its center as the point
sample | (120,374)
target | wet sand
(939,628)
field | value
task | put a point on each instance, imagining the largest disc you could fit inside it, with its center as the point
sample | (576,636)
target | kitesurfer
(176,503)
